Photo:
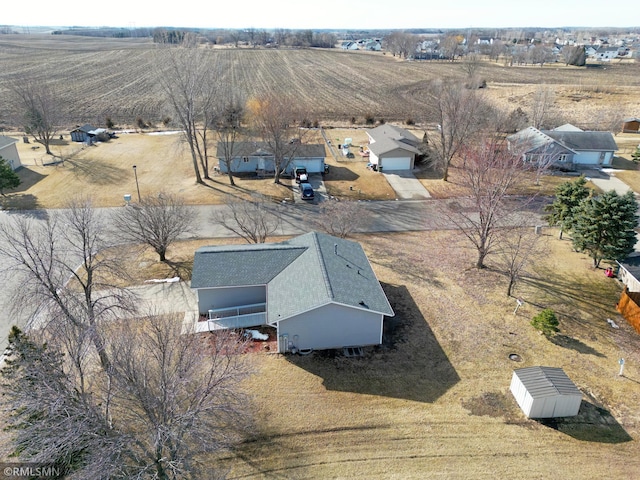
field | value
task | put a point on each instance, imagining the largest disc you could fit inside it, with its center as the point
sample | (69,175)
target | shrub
(109,122)
(410,121)
(353,120)
(369,119)
(546,322)
(140,122)
(166,121)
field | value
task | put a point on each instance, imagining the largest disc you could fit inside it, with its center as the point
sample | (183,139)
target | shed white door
(398,163)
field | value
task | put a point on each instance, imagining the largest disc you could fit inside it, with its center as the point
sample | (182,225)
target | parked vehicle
(300,171)
(306,191)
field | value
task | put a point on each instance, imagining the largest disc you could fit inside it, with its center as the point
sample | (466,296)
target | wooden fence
(629,307)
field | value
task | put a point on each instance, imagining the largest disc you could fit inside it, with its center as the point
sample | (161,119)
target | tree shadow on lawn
(98,173)
(592,424)
(28,178)
(24,204)
(410,364)
(338,173)
(574,344)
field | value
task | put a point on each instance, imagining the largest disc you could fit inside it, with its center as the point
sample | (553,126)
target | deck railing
(236,317)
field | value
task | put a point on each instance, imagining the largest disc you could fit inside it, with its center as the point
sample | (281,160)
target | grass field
(95,78)
(433,401)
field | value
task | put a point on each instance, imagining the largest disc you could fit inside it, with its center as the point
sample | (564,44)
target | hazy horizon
(328,15)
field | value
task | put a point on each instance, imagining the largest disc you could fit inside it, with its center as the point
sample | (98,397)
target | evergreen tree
(8,178)
(604,226)
(569,195)
(546,322)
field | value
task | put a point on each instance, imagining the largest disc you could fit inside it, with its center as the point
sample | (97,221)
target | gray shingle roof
(86,128)
(302,273)
(6,141)
(321,276)
(387,138)
(596,141)
(251,149)
(533,139)
(236,265)
(543,382)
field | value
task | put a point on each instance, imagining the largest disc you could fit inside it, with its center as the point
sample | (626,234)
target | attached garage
(396,163)
(545,392)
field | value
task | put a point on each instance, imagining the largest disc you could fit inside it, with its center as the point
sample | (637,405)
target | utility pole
(135,173)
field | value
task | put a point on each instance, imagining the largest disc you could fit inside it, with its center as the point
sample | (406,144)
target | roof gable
(240,265)
(86,128)
(262,149)
(594,141)
(386,138)
(302,273)
(6,141)
(543,382)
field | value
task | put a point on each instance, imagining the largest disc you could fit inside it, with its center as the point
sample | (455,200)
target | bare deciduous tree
(342,218)
(450,47)
(489,175)
(401,43)
(276,119)
(156,221)
(189,79)
(541,106)
(176,395)
(457,111)
(62,271)
(40,109)
(227,122)
(518,247)
(253,220)
(170,397)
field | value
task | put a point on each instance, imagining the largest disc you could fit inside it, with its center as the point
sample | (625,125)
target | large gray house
(316,290)
(567,144)
(252,157)
(393,148)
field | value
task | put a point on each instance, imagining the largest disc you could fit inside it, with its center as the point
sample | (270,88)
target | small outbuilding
(545,392)
(631,125)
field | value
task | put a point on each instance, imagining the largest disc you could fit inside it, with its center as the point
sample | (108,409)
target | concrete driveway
(319,189)
(605,178)
(406,185)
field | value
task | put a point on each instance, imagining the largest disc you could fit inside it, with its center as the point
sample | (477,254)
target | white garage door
(402,163)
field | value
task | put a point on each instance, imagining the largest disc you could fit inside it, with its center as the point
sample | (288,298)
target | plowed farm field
(96,78)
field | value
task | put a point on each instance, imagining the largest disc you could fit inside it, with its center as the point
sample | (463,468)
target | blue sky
(340,14)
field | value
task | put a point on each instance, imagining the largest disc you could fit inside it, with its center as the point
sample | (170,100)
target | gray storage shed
(545,392)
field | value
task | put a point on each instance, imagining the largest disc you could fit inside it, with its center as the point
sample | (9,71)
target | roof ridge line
(323,267)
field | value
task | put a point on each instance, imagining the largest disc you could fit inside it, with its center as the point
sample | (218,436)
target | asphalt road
(298,218)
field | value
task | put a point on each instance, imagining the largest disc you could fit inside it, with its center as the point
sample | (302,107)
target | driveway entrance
(406,185)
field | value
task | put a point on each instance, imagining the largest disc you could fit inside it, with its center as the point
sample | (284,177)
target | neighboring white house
(349,45)
(9,151)
(545,392)
(316,290)
(392,148)
(568,144)
(606,54)
(251,157)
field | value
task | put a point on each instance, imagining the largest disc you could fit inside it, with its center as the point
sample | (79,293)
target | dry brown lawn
(434,400)
(105,173)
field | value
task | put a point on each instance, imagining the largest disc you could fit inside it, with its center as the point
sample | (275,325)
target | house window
(563,157)
(245,159)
